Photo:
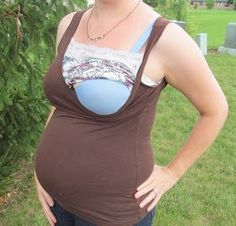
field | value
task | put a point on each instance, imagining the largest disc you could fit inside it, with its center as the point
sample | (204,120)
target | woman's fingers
(46,201)
(161,180)
(154,202)
(148,199)
(49,213)
(47,209)
(148,188)
(144,190)
(147,182)
(49,219)
(47,198)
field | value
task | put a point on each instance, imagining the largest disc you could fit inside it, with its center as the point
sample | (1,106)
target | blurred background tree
(210,4)
(28,32)
(152,3)
(180,10)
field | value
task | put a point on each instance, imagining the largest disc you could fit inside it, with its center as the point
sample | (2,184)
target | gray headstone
(201,40)
(180,23)
(230,39)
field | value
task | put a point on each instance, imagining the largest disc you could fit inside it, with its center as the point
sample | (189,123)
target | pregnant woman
(94,164)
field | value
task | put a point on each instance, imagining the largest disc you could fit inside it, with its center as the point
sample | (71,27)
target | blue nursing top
(102,77)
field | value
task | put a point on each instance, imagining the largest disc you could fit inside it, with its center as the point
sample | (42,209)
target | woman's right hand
(46,201)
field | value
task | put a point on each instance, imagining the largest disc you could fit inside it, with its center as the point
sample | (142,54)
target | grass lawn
(205,195)
(214,23)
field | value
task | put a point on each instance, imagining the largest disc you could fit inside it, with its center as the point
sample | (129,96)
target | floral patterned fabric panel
(82,62)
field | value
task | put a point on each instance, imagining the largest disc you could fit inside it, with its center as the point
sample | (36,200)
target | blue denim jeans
(65,218)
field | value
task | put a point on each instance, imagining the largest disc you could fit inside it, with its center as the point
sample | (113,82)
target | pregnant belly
(80,164)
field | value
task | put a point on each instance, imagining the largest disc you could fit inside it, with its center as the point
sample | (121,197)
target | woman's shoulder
(63,24)
(65,21)
(174,39)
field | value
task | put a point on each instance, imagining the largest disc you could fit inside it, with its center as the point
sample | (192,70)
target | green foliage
(180,10)
(234,2)
(172,8)
(210,4)
(26,27)
(152,3)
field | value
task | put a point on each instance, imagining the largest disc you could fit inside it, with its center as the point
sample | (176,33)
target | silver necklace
(103,35)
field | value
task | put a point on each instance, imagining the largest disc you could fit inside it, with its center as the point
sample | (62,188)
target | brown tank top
(91,164)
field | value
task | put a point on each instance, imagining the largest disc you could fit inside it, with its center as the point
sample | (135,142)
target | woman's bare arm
(187,70)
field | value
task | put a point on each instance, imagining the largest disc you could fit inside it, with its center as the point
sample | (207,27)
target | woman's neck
(112,9)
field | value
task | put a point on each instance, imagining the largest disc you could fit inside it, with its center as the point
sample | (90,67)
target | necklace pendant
(97,38)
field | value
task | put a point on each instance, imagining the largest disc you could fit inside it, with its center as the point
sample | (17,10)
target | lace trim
(107,49)
(85,61)
(82,62)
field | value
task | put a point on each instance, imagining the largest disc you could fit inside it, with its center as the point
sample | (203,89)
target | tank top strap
(159,27)
(156,31)
(143,38)
(70,31)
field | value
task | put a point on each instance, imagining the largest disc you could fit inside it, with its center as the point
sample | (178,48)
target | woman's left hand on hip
(160,181)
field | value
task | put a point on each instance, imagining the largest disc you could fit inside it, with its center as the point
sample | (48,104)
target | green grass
(214,23)
(23,207)
(205,195)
